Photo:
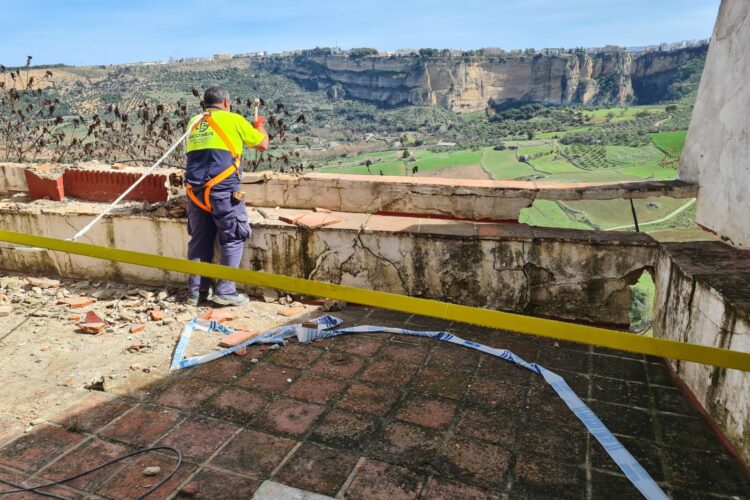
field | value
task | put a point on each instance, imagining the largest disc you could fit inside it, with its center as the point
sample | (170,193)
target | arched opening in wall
(642,303)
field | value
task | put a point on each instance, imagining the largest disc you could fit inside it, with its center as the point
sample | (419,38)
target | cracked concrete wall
(576,275)
(696,306)
(717,148)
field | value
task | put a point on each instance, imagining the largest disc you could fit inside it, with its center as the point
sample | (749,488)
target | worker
(216,207)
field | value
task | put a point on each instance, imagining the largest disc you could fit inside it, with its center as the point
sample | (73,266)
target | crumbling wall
(702,291)
(717,148)
(577,275)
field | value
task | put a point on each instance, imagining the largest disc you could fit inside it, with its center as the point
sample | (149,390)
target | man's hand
(260,125)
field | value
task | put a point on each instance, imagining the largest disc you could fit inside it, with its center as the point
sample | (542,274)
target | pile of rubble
(95,307)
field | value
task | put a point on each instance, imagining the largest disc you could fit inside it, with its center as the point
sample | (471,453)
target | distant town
(424,52)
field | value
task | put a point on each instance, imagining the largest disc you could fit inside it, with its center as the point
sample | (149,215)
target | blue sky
(107,31)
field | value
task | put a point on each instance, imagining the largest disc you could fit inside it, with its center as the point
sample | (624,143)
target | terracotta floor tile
(253,452)
(379,480)
(236,405)
(288,416)
(317,468)
(199,437)
(268,378)
(440,383)
(141,426)
(365,398)
(437,488)
(495,426)
(90,454)
(38,447)
(222,370)
(357,344)
(93,412)
(210,484)
(296,355)
(315,388)
(429,412)
(538,477)
(392,373)
(407,444)
(187,393)
(414,354)
(476,462)
(344,429)
(130,482)
(338,364)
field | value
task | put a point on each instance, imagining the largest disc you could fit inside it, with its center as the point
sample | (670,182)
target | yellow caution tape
(561,330)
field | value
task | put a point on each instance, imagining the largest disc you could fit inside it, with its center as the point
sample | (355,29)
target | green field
(671,143)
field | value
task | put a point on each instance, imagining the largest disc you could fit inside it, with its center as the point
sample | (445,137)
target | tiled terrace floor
(383,416)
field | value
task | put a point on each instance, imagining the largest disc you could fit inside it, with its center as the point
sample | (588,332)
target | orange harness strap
(231,169)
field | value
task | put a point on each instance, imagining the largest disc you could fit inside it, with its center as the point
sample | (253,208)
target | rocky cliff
(476,83)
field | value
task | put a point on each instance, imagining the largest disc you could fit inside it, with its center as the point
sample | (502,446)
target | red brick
(289,416)
(221,370)
(31,451)
(441,383)
(357,344)
(295,355)
(199,437)
(76,302)
(494,426)
(268,378)
(93,412)
(187,393)
(344,430)
(92,453)
(44,187)
(130,482)
(477,462)
(379,480)
(95,185)
(141,426)
(408,444)
(209,484)
(317,468)
(236,405)
(391,373)
(253,452)
(414,354)
(338,364)
(433,413)
(446,490)
(368,399)
(315,388)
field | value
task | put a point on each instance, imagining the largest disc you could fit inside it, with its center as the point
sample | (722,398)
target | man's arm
(255,135)
(260,125)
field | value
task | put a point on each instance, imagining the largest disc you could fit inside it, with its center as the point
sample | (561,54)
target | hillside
(474,83)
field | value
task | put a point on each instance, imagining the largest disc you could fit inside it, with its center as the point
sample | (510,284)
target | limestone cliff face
(476,83)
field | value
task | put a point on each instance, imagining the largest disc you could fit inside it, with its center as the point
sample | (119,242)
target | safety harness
(234,167)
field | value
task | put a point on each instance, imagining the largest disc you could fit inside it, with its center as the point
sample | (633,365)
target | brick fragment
(156,314)
(237,338)
(137,328)
(77,302)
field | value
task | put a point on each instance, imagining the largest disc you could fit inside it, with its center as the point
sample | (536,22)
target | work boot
(196,298)
(235,299)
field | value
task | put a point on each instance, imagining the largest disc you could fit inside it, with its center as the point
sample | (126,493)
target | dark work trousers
(227,220)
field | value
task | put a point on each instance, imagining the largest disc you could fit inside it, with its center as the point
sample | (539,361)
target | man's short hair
(215,95)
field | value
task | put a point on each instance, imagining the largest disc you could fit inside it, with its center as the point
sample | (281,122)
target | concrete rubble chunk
(292,311)
(270,295)
(152,471)
(95,384)
(42,283)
